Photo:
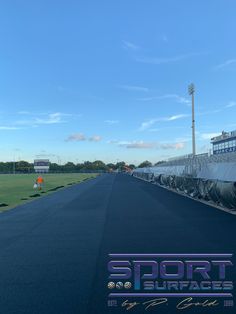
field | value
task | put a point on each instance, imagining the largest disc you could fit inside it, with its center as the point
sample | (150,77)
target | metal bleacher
(196,163)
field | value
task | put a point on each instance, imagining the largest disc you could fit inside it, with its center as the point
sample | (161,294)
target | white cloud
(9,128)
(130,45)
(52,118)
(158,61)
(177,146)
(95,138)
(208,136)
(77,137)
(149,145)
(138,145)
(177,98)
(147,124)
(111,122)
(176,117)
(134,88)
(231,104)
(225,64)
(210,112)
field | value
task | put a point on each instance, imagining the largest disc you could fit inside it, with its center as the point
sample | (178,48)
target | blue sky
(86,80)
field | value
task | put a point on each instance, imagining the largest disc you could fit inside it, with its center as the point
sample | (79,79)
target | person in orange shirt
(39,182)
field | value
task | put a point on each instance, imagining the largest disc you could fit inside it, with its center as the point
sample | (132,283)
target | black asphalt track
(54,251)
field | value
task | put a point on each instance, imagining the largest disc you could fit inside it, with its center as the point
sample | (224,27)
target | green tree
(54,167)
(23,166)
(99,165)
(160,162)
(111,166)
(145,164)
(131,166)
(69,167)
(120,165)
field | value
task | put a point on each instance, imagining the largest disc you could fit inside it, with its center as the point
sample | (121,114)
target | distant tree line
(19,166)
(96,165)
(147,163)
(87,166)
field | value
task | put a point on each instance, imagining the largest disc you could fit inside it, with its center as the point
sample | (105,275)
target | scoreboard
(41,165)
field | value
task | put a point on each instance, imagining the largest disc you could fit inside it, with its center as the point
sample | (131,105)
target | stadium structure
(211,177)
(41,165)
(225,143)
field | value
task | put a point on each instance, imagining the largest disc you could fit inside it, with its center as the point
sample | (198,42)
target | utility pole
(191,91)
(14,165)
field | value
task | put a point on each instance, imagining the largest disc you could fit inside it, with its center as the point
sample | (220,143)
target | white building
(224,143)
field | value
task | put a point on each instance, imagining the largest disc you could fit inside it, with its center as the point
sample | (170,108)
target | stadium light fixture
(191,91)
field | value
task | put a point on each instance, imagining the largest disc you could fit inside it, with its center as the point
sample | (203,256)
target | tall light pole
(191,90)
(14,165)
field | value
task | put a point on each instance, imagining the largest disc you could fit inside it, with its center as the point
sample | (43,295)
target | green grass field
(16,189)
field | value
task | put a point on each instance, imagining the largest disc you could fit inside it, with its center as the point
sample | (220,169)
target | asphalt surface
(54,251)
